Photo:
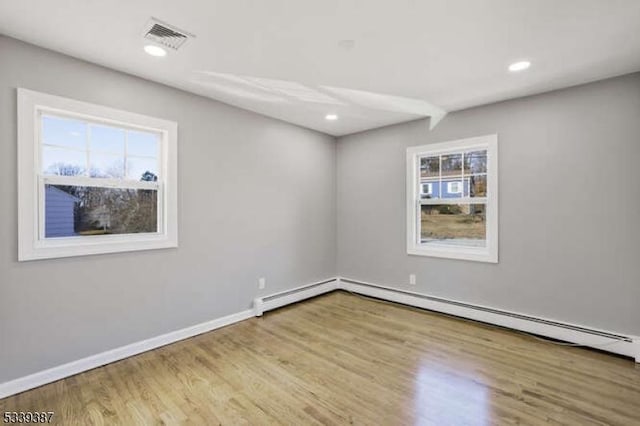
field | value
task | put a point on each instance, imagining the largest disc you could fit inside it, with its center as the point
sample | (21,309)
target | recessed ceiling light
(519,66)
(331,117)
(155,50)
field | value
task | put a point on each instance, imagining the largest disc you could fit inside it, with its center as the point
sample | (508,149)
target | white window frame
(489,253)
(32,244)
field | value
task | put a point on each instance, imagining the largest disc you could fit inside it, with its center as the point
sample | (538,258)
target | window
(427,188)
(459,218)
(454,187)
(93,179)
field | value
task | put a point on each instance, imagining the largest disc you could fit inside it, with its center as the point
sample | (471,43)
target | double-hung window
(93,179)
(458,218)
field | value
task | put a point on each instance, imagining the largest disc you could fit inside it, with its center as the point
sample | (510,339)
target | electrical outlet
(412,279)
(262,283)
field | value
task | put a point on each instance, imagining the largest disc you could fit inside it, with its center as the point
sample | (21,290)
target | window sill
(73,246)
(456,253)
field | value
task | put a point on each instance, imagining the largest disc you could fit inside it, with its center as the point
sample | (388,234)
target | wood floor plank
(344,359)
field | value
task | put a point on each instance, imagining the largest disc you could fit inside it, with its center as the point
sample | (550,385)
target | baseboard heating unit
(274,301)
(622,344)
(604,340)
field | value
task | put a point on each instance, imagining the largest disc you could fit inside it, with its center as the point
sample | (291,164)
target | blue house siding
(59,213)
(442,190)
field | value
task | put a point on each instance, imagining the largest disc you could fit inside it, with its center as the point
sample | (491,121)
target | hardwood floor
(343,359)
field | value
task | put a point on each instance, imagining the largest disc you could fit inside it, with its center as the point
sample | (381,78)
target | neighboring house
(453,187)
(59,213)
(450,188)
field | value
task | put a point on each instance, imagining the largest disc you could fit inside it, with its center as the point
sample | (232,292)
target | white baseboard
(600,339)
(277,300)
(60,372)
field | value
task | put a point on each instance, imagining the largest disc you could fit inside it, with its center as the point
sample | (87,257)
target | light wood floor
(342,359)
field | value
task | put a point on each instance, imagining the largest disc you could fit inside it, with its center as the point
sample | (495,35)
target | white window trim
(31,244)
(480,254)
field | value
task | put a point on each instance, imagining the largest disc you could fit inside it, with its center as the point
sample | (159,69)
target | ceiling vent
(165,34)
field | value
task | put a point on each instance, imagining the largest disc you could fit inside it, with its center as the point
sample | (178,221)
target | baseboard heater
(505,313)
(600,339)
(277,300)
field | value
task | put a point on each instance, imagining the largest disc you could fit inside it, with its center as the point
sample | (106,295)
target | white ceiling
(373,62)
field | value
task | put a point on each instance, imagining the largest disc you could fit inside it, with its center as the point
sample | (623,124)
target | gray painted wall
(257,198)
(569,254)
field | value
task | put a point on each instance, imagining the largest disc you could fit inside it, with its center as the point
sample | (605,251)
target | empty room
(296,212)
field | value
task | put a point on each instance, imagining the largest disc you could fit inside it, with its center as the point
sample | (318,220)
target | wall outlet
(412,279)
(262,283)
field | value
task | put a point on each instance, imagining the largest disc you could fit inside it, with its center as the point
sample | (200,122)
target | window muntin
(93,179)
(458,219)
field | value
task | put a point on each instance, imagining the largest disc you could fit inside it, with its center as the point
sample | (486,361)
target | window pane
(475,162)
(453,224)
(452,165)
(142,169)
(84,211)
(106,166)
(107,139)
(64,132)
(478,186)
(63,162)
(429,166)
(142,144)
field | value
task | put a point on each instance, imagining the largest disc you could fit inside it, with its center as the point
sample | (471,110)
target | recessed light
(519,66)
(155,50)
(331,117)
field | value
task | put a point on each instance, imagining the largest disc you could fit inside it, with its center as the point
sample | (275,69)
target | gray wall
(569,207)
(257,198)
